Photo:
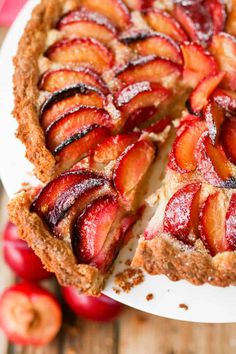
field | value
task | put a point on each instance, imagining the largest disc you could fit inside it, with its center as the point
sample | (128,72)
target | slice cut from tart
(77,222)
(98,87)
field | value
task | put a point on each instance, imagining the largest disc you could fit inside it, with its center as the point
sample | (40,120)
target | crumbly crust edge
(167,256)
(56,255)
(25,81)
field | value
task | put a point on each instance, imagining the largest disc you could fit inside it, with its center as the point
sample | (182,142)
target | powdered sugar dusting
(85,15)
(129,92)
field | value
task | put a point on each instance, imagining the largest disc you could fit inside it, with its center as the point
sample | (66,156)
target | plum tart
(107,93)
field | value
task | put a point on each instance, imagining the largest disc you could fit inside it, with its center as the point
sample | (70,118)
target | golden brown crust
(56,254)
(26,93)
(165,255)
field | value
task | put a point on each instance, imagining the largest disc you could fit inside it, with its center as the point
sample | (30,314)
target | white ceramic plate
(205,303)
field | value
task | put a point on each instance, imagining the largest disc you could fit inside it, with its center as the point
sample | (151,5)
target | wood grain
(154,335)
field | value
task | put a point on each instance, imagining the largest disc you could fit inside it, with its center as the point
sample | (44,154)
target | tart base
(162,253)
(56,254)
(165,255)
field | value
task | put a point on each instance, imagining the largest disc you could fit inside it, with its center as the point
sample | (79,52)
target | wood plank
(154,335)
(85,337)
(52,348)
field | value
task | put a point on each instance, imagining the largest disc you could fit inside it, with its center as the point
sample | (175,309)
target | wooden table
(134,333)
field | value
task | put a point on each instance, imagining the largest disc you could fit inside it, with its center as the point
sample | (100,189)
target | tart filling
(99,86)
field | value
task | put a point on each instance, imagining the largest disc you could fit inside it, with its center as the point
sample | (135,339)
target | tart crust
(26,93)
(165,255)
(56,255)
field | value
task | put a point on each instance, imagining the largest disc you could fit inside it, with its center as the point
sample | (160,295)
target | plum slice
(212,224)
(113,147)
(130,169)
(46,199)
(73,122)
(55,80)
(72,202)
(139,4)
(200,95)
(79,145)
(231,19)
(185,145)
(195,20)
(153,43)
(150,68)
(83,23)
(159,126)
(230,222)
(81,51)
(76,197)
(223,47)
(228,138)
(163,22)
(93,227)
(181,212)
(225,99)
(204,64)
(62,101)
(213,164)
(217,11)
(214,116)
(139,102)
(115,10)
(104,259)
